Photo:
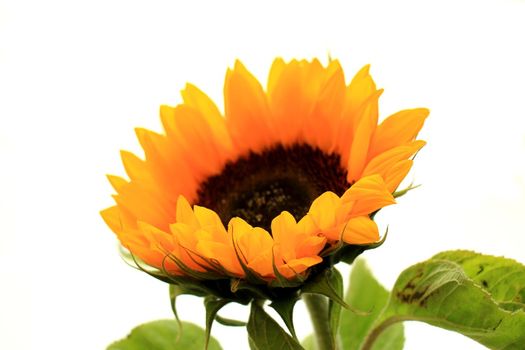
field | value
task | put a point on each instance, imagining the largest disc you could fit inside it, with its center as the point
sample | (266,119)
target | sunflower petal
(383,162)
(247,113)
(368,195)
(398,129)
(367,117)
(361,89)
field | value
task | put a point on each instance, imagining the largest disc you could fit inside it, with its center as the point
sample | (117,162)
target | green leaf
(444,293)
(264,333)
(165,335)
(503,278)
(365,293)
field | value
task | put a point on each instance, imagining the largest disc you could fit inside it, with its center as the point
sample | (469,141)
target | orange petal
(198,100)
(398,129)
(367,122)
(321,125)
(145,205)
(382,163)
(165,162)
(247,113)
(220,253)
(360,90)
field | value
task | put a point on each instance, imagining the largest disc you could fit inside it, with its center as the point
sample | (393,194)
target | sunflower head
(263,200)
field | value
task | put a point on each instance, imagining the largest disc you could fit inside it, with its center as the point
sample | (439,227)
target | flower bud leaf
(264,333)
(165,335)
(479,296)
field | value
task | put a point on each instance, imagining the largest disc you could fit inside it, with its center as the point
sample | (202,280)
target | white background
(77,77)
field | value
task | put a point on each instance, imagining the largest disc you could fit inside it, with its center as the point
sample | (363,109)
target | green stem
(317,306)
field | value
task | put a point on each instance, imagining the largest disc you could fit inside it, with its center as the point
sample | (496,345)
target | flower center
(259,186)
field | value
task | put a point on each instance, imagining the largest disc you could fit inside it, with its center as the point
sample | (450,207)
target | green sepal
(256,291)
(323,284)
(208,275)
(349,252)
(404,191)
(264,333)
(229,322)
(326,283)
(284,307)
(334,308)
(212,305)
(175,291)
(127,256)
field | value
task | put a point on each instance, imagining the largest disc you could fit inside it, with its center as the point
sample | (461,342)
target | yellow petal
(368,195)
(297,266)
(209,220)
(323,210)
(116,182)
(382,163)
(185,213)
(361,230)
(111,217)
(397,173)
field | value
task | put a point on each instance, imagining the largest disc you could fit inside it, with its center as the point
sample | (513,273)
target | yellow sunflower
(270,187)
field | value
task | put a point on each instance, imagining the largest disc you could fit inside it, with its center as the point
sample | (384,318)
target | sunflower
(281,182)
